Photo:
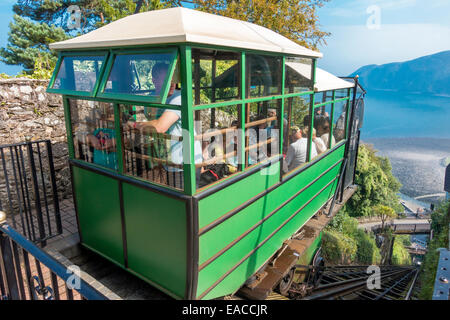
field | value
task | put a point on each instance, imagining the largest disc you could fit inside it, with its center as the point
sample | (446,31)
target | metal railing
(28,191)
(29,273)
(442,282)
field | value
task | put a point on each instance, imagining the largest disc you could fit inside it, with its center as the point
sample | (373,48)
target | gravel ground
(419,163)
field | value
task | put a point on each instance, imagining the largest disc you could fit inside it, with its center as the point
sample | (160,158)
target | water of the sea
(399,114)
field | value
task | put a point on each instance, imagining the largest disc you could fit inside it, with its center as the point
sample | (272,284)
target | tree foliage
(28,40)
(384,213)
(294,19)
(376,184)
(400,255)
(440,226)
(343,242)
(37,23)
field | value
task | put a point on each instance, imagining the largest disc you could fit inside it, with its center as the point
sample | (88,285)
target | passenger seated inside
(103,142)
(168,121)
(231,146)
(257,136)
(216,168)
(297,150)
(322,125)
(339,128)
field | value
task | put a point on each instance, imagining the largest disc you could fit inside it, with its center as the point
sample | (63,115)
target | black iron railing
(29,273)
(28,191)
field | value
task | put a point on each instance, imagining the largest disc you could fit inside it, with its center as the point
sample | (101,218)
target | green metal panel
(232,196)
(156,237)
(239,275)
(98,210)
(187,120)
(213,241)
(306,258)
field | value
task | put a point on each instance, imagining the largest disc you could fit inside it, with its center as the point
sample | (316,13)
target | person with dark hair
(297,151)
(323,126)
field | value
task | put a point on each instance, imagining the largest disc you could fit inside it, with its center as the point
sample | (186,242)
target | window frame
(61,57)
(135,97)
(183,55)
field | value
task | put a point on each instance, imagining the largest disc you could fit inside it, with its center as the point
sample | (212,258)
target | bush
(367,250)
(343,230)
(440,226)
(343,223)
(338,248)
(400,256)
(377,185)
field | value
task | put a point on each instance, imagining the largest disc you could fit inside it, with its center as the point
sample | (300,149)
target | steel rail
(340,288)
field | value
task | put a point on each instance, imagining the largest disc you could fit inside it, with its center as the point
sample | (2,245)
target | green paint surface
(156,237)
(222,235)
(229,198)
(98,209)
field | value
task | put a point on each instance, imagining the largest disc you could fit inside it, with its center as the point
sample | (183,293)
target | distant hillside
(429,74)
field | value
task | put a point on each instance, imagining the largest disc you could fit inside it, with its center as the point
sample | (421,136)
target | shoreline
(417,162)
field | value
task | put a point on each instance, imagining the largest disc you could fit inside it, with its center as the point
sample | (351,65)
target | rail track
(353,283)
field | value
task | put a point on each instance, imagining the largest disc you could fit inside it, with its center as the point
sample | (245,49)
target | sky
(6,15)
(362,32)
(367,32)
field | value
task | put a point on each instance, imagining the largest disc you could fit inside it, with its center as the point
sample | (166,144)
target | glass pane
(298,75)
(78,73)
(262,131)
(322,127)
(94,137)
(219,135)
(153,144)
(139,74)
(216,76)
(341,93)
(322,97)
(340,111)
(263,75)
(296,134)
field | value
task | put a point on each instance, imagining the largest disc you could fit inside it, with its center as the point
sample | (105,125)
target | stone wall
(27,112)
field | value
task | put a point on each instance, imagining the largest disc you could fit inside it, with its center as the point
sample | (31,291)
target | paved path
(408,221)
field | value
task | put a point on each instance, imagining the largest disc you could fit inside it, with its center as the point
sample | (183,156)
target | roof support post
(187,120)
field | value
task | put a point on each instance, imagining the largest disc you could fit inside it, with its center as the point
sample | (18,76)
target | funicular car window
(323,97)
(298,75)
(218,131)
(322,129)
(297,121)
(339,121)
(140,74)
(78,73)
(149,154)
(215,75)
(94,135)
(263,75)
(262,126)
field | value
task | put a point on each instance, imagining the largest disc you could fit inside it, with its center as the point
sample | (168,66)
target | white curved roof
(178,25)
(324,80)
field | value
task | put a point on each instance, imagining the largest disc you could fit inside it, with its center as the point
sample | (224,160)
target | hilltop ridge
(429,74)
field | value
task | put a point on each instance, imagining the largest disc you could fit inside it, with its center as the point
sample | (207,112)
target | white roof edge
(324,80)
(177,25)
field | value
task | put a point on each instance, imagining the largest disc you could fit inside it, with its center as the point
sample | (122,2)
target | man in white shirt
(169,121)
(297,151)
